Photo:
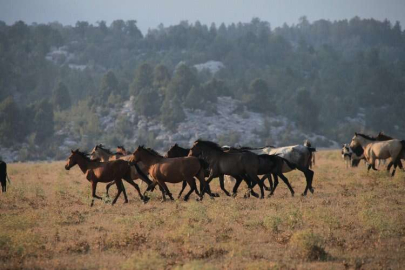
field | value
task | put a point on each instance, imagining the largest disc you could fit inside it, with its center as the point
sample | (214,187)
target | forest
(328,77)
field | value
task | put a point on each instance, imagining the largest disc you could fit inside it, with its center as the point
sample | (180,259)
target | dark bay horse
(104,172)
(170,170)
(99,152)
(271,165)
(177,151)
(221,162)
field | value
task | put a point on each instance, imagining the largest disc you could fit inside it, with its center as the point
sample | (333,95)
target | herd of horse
(207,160)
(204,161)
(371,149)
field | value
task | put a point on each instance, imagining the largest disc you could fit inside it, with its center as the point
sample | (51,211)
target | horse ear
(77,150)
(71,150)
(355,133)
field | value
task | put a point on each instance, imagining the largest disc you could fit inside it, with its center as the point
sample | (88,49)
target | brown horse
(238,165)
(104,172)
(121,151)
(170,170)
(177,151)
(103,154)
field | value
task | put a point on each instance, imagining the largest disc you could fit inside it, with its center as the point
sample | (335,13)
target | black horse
(3,176)
(238,165)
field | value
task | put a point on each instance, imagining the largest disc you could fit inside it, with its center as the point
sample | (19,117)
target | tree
(161,77)
(11,126)
(147,102)
(143,79)
(183,80)
(172,112)
(307,111)
(109,85)
(259,95)
(61,97)
(194,99)
(42,120)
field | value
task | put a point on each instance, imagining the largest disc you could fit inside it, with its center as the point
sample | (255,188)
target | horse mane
(210,144)
(151,151)
(105,149)
(84,155)
(382,136)
(366,137)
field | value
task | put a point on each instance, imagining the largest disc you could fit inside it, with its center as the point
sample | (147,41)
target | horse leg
(251,184)
(308,177)
(264,177)
(193,188)
(119,185)
(275,185)
(124,191)
(107,188)
(222,184)
(236,186)
(135,185)
(166,189)
(184,184)
(203,185)
(93,187)
(256,179)
(285,180)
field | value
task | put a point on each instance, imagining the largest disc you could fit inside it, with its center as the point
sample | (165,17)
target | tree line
(320,75)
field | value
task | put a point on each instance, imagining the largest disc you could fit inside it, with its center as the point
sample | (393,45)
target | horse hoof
(217,195)
(126,202)
(234,195)
(312,190)
(254,194)
(303,194)
(185,199)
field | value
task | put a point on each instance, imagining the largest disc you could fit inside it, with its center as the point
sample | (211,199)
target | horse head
(72,159)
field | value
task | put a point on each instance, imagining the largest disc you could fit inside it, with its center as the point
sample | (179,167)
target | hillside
(65,86)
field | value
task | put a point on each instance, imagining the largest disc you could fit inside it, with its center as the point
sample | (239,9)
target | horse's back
(175,169)
(384,149)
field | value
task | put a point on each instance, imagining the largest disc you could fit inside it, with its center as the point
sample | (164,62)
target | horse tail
(142,175)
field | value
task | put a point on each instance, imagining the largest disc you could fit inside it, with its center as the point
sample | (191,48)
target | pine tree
(61,97)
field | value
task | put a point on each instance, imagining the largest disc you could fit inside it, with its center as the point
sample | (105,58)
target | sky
(150,13)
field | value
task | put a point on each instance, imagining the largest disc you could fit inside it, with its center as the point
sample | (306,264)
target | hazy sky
(149,13)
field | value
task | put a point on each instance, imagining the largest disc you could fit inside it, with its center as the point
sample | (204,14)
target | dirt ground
(354,220)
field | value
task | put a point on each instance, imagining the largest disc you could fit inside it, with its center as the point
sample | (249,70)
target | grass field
(352,221)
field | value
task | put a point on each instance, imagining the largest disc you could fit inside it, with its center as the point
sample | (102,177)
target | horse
(177,151)
(347,154)
(170,170)
(105,154)
(99,152)
(307,143)
(374,150)
(104,172)
(3,176)
(237,164)
(383,137)
(270,165)
(121,151)
(300,156)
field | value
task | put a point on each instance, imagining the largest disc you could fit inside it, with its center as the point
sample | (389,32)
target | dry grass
(353,220)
